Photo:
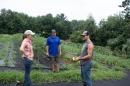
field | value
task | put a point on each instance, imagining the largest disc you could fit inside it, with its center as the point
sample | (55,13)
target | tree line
(113,31)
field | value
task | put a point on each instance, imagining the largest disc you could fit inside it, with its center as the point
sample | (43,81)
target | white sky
(73,9)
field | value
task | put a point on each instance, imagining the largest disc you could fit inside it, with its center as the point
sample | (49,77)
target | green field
(106,66)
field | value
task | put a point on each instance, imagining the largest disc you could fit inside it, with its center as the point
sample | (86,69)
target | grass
(7,46)
(105,65)
(107,75)
(4,41)
(10,76)
(72,48)
(112,61)
(64,76)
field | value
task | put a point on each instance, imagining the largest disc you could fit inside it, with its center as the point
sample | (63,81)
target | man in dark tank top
(85,59)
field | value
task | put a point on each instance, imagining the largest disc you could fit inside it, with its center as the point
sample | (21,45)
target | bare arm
(59,49)
(22,48)
(32,55)
(47,53)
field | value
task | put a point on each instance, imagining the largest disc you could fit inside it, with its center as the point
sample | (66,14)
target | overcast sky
(73,9)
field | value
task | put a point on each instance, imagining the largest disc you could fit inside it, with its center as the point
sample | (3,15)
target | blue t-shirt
(53,43)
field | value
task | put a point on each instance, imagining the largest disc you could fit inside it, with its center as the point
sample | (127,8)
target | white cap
(29,32)
(85,33)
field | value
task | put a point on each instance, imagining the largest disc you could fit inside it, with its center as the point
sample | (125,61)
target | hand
(60,54)
(76,58)
(47,54)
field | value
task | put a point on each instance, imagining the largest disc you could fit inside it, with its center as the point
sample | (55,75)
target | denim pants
(27,66)
(86,73)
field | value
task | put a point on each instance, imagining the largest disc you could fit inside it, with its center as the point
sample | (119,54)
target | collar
(28,40)
(53,36)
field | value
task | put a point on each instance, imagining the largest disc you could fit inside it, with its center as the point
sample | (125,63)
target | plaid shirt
(28,49)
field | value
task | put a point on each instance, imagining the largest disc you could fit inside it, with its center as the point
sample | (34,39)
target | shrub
(76,36)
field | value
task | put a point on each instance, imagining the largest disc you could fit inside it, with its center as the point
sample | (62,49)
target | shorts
(54,59)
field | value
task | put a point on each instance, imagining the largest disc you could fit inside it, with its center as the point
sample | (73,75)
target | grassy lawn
(105,65)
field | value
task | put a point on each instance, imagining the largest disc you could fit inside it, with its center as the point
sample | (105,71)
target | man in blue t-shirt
(53,50)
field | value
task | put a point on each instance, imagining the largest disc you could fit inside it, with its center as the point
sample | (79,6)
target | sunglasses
(83,35)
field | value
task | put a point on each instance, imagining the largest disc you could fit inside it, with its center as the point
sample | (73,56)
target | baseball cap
(85,33)
(53,30)
(29,32)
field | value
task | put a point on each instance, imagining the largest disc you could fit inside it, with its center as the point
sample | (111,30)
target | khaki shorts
(54,59)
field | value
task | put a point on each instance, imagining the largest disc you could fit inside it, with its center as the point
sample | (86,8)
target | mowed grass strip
(63,76)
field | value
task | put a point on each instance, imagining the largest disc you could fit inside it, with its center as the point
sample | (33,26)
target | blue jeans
(86,73)
(27,66)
